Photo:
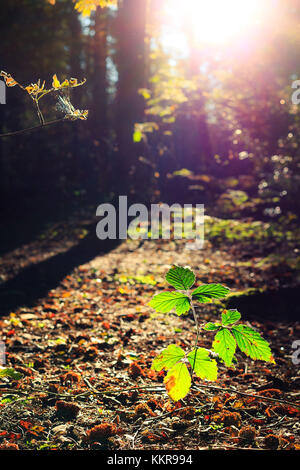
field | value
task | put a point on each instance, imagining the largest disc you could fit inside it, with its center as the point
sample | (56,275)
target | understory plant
(229,334)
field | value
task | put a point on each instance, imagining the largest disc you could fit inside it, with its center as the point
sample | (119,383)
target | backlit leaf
(212,326)
(252,344)
(168,358)
(207,292)
(230,316)
(55,82)
(180,278)
(178,381)
(167,301)
(203,366)
(225,345)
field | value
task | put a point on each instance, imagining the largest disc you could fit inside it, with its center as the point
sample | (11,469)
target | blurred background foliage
(173,117)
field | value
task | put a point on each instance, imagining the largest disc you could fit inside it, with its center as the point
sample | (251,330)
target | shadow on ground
(274,305)
(35,281)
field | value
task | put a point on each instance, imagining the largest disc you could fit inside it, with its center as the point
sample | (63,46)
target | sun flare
(216,21)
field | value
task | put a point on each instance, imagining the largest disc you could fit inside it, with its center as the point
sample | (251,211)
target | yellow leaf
(73,81)
(84,115)
(9,81)
(178,381)
(56,82)
(87,6)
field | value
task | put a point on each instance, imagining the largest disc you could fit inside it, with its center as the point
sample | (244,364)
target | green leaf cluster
(183,279)
(229,334)
(178,379)
(9,372)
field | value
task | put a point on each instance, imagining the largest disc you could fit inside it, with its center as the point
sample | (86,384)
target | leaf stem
(198,332)
(40,115)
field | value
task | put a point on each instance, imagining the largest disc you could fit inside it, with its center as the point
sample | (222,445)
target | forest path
(94,331)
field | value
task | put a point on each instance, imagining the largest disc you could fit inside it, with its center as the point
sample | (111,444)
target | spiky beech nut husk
(67,410)
(247,434)
(102,431)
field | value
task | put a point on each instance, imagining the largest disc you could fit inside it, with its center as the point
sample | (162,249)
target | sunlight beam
(215,21)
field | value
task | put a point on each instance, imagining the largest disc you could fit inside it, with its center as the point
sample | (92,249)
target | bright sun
(216,21)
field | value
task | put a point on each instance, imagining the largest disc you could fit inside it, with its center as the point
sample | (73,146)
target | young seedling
(229,334)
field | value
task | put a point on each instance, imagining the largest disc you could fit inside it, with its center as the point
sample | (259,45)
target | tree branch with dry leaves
(37,91)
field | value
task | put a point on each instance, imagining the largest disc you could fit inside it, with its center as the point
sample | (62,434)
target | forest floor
(81,355)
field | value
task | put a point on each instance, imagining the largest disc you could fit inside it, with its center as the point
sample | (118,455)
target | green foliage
(230,316)
(208,292)
(246,338)
(183,279)
(182,172)
(211,326)
(225,345)
(137,136)
(178,379)
(167,301)
(230,230)
(9,372)
(168,358)
(251,343)
(229,335)
(137,278)
(203,366)
(141,129)
(180,278)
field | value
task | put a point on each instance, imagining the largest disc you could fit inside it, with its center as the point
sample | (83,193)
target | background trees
(171,117)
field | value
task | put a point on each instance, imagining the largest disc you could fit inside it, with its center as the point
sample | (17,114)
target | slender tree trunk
(200,145)
(75,71)
(131,69)
(75,44)
(98,108)
(100,83)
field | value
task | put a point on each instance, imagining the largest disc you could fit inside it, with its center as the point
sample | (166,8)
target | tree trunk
(200,149)
(100,82)
(131,69)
